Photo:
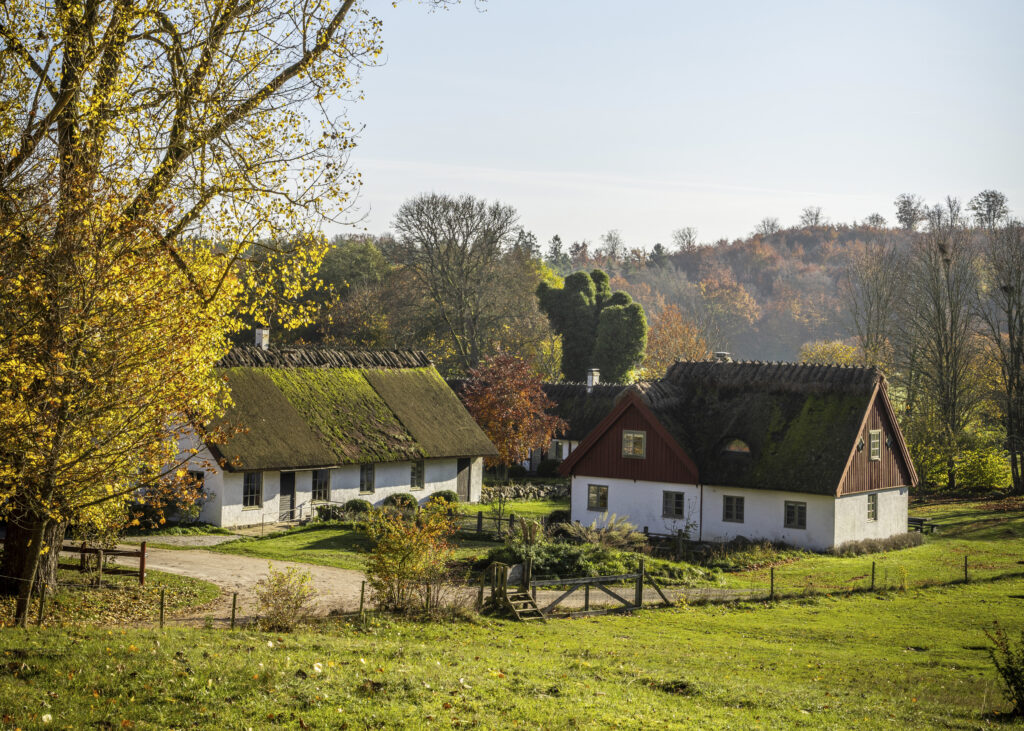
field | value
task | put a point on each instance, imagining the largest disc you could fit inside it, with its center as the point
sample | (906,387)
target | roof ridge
(250,356)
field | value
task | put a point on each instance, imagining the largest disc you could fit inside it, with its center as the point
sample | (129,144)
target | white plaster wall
(639,501)
(476,479)
(232,512)
(851,516)
(764,517)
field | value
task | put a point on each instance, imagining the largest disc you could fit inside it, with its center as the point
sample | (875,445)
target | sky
(650,115)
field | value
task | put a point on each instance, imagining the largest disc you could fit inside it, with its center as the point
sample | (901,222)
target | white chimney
(593,378)
(263,338)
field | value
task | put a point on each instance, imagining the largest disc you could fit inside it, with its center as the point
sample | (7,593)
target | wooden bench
(920,525)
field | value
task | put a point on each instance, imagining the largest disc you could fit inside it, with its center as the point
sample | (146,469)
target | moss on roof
(297,417)
(346,414)
(431,412)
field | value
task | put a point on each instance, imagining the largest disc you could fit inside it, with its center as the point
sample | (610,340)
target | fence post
(362,597)
(479,522)
(966,579)
(234,608)
(142,565)
(99,567)
(771,591)
(42,603)
(162,604)
(638,594)
(527,573)
(511,523)
(872,576)
(586,597)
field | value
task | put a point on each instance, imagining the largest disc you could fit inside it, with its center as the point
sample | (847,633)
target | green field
(914,659)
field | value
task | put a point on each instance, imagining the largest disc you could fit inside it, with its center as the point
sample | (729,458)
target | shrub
(402,500)
(284,598)
(878,545)
(559,516)
(358,506)
(516,472)
(615,533)
(548,468)
(443,496)
(1009,662)
(331,512)
(408,555)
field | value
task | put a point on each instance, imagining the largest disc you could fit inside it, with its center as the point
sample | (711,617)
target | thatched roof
(582,411)
(302,408)
(800,421)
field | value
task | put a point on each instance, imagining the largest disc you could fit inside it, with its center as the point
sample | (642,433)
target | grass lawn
(119,601)
(535,509)
(893,660)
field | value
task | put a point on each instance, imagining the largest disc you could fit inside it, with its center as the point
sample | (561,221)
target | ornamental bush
(358,506)
(402,500)
(443,496)
(284,598)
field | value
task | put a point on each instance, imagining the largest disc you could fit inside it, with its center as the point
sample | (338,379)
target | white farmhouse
(808,455)
(314,425)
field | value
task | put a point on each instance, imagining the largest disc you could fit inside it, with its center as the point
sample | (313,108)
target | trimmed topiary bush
(401,500)
(358,506)
(446,496)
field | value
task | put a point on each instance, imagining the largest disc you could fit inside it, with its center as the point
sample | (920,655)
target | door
(287,504)
(463,482)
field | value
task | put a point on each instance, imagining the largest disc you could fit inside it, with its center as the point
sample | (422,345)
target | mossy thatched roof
(800,421)
(320,414)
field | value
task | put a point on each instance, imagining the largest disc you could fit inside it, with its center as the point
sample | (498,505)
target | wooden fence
(83,550)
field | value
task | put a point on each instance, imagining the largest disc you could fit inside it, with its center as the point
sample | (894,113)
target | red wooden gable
(894,467)
(600,454)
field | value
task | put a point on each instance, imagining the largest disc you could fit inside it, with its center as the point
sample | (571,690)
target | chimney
(263,338)
(593,378)
(723,357)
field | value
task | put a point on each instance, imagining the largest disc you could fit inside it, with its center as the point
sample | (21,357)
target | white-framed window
(366,478)
(673,504)
(634,443)
(322,485)
(597,498)
(796,514)
(252,490)
(873,506)
(875,445)
(416,479)
(732,509)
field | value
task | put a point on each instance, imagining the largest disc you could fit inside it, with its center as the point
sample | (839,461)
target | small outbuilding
(803,454)
(316,425)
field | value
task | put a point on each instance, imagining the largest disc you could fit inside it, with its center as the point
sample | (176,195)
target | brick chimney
(263,338)
(593,378)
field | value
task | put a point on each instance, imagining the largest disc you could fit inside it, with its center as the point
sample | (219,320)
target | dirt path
(337,589)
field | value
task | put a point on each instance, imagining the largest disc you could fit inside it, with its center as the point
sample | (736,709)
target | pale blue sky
(651,115)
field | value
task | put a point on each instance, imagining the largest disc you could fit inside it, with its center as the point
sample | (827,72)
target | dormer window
(736,446)
(634,444)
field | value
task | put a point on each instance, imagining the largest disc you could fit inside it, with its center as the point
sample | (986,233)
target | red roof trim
(630,398)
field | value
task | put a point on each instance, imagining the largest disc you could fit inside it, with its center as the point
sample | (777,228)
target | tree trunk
(24,568)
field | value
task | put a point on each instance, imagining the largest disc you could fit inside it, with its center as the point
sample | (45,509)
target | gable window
(732,509)
(875,445)
(416,481)
(634,444)
(873,506)
(322,485)
(673,504)
(796,515)
(366,478)
(597,497)
(252,490)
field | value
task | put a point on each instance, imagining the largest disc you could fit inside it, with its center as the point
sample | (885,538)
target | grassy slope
(894,660)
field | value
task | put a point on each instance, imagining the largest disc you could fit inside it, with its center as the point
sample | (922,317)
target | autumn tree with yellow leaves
(148,151)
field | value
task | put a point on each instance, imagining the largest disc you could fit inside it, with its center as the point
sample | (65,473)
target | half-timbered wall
(661,464)
(864,474)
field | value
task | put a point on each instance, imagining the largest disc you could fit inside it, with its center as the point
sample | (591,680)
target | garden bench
(920,525)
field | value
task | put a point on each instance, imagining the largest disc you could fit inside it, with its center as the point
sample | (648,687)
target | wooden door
(287,504)
(463,482)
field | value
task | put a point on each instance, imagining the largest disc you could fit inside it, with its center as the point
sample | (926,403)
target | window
(252,490)
(321,485)
(416,476)
(736,446)
(873,506)
(366,478)
(796,515)
(597,497)
(634,444)
(875,442)
(732,509)
(673,504)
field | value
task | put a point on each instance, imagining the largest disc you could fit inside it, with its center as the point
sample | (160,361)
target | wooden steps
(524,607)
